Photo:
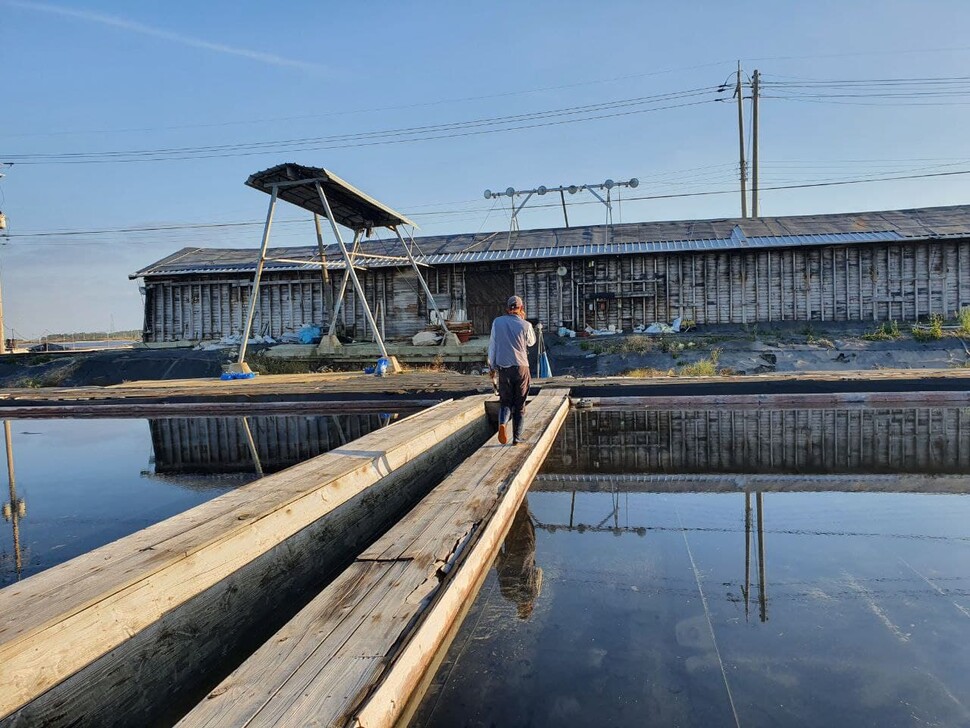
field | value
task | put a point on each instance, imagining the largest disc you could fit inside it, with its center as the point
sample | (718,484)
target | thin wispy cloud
(132,26)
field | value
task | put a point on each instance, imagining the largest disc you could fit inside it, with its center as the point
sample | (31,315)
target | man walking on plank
(508,353)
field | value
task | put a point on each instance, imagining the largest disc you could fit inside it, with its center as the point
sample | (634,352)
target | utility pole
(739,92)
(755,91)
(3,337)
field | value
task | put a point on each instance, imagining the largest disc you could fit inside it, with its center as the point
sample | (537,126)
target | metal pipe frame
(339,300)
(324,270)
(254,296)
(424,283)
(350,268)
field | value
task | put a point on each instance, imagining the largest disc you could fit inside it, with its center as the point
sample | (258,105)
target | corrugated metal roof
(351,207)
(628,238)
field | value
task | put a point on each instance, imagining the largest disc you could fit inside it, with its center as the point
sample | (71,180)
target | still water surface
(83,483)
(728,580)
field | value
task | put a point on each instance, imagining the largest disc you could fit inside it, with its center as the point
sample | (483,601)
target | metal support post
(350,270)
(327,290)
(254,295)
(343,286)
(424,283)
(517,210)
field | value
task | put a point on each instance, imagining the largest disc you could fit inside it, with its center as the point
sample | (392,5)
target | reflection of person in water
(519,579)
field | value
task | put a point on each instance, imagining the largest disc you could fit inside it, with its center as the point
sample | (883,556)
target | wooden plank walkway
(57,622)
(357,652)
(349,389)
(266,386)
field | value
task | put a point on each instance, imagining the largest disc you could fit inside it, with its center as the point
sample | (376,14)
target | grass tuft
(886,331)
(704,367)
(964,318)
(932,332)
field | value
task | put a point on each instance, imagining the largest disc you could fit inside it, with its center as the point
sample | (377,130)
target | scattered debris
(426,338)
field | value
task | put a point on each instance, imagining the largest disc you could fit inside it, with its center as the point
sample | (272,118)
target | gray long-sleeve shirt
(508,346)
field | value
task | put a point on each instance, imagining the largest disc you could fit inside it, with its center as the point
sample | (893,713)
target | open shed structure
(871,266)
(326,195)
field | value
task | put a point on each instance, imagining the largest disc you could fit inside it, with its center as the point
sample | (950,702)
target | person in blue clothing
(508,354)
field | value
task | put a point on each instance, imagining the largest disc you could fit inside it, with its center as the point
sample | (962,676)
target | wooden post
(755,92)
(739,93)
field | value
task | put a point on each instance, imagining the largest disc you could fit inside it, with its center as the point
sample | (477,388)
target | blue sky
(112,76)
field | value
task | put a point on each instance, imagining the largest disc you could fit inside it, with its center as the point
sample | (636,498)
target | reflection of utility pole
(747,552)
(16,508)
(762,583)
(3,335)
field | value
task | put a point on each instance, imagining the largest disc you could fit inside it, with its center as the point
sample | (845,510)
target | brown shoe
(504,425)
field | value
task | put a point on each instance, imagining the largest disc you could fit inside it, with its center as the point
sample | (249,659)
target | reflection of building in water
(901,440)
(519,579)
(15,509)
(228,444)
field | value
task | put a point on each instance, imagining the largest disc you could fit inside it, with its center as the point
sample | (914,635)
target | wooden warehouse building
(869,266)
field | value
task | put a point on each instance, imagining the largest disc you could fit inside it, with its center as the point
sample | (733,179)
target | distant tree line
(94,336)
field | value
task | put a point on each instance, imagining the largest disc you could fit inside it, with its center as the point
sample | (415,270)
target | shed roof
(645,237)
(352,208)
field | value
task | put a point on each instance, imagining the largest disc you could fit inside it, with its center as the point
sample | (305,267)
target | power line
(589,112)
(401,107)
(675,195)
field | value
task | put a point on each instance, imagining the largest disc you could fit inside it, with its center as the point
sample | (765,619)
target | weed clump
(964,318)
(886,331)
(704,367)
(932,332)
(648,372)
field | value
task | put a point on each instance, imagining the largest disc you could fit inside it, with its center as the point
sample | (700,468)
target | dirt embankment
(709,350)
(755,350)
(103,368)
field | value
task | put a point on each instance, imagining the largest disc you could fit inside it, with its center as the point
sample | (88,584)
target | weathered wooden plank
(322,629)
(389,697)
(55,623)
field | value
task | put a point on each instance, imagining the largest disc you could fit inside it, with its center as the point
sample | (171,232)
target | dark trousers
(513,389)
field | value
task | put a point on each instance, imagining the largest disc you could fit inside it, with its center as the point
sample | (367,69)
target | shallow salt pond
(719,567)
(80,484)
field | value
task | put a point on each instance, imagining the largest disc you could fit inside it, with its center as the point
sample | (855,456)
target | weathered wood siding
(210,307)
(908,440)
(905,281)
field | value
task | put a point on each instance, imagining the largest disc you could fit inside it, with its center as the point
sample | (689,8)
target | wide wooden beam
(55,623)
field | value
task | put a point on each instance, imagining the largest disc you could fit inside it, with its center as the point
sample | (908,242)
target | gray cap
(513,302)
